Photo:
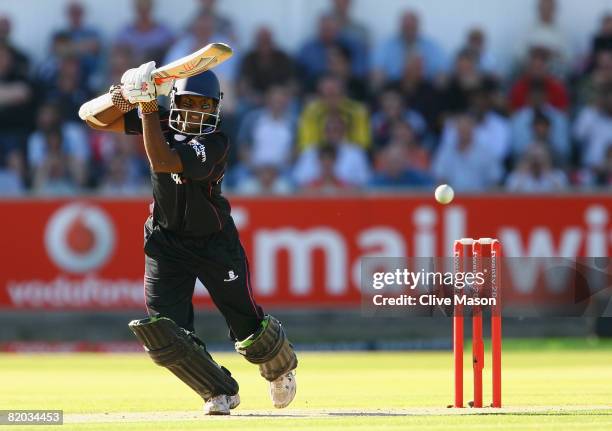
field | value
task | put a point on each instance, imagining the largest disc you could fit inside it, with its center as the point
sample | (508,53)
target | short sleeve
(131,123)
(133,126)
(200,155)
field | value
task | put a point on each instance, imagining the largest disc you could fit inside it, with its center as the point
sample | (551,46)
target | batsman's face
(196,105)
(203,104)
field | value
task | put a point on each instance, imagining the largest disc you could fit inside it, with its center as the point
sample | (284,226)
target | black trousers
(172,264)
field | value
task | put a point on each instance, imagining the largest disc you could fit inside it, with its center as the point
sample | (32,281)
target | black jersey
(189,203)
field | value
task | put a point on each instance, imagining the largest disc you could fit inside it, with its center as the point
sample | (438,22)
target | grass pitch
(547,385)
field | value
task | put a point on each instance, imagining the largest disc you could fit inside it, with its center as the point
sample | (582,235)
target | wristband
(148,107)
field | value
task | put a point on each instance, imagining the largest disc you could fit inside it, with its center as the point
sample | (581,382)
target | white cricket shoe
(221,404)
(282,390)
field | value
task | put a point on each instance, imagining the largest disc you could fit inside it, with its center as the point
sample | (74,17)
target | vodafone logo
(79,237)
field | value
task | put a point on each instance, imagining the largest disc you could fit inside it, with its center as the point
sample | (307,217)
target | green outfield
(548,384)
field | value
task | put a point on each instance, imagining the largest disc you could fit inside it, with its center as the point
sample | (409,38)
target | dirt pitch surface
(332,413)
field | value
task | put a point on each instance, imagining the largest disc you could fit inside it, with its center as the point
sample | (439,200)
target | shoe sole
(282,406)
(217,413)
(232,407)
(224,413)
(285,404)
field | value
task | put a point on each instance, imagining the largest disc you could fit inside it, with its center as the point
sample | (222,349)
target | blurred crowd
(339,114)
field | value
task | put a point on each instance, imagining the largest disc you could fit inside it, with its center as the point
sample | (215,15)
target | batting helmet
(191,122)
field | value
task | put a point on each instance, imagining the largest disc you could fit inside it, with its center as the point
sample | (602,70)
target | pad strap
(270,349)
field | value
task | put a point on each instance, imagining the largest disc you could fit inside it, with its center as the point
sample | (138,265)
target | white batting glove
(137,85)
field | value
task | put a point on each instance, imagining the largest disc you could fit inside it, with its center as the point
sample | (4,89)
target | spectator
(327,182)
(85,40)
(312,57)
(11,175)
(341,10)
(121,163)
(16,105)
(22,62)
(57,152)
(546,35)
(602,41)
(491,127)
(202,32)
(223,25)
(464,160)
(541,128)
(350,163)
(120,59)
(537,69)
(465,79)
(392,111)
(603,177)
(265,65)
(67,91)
(339,65)
(148,38)
(54,175)
(332,100)
(267,135)
(16,112)
(118,180)
(60,47)
(265,179)
(418,92)
(390,58)
(403,162)
(593,128)
(599,74)
(418,156)
(476,45)
(535,173)
(394,172)
(539,121)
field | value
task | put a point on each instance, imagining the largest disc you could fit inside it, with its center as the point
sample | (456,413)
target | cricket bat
(195,63)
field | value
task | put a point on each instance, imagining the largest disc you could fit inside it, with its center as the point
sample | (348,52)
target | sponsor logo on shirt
(178,178)
(199,149)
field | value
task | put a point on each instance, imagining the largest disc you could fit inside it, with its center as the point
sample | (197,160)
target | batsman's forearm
(104,111)
(109,115)
(161,157)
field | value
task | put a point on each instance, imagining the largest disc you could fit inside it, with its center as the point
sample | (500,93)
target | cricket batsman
(190,234)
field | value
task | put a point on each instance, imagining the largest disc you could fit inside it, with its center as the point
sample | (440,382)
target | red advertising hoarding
(87,253)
